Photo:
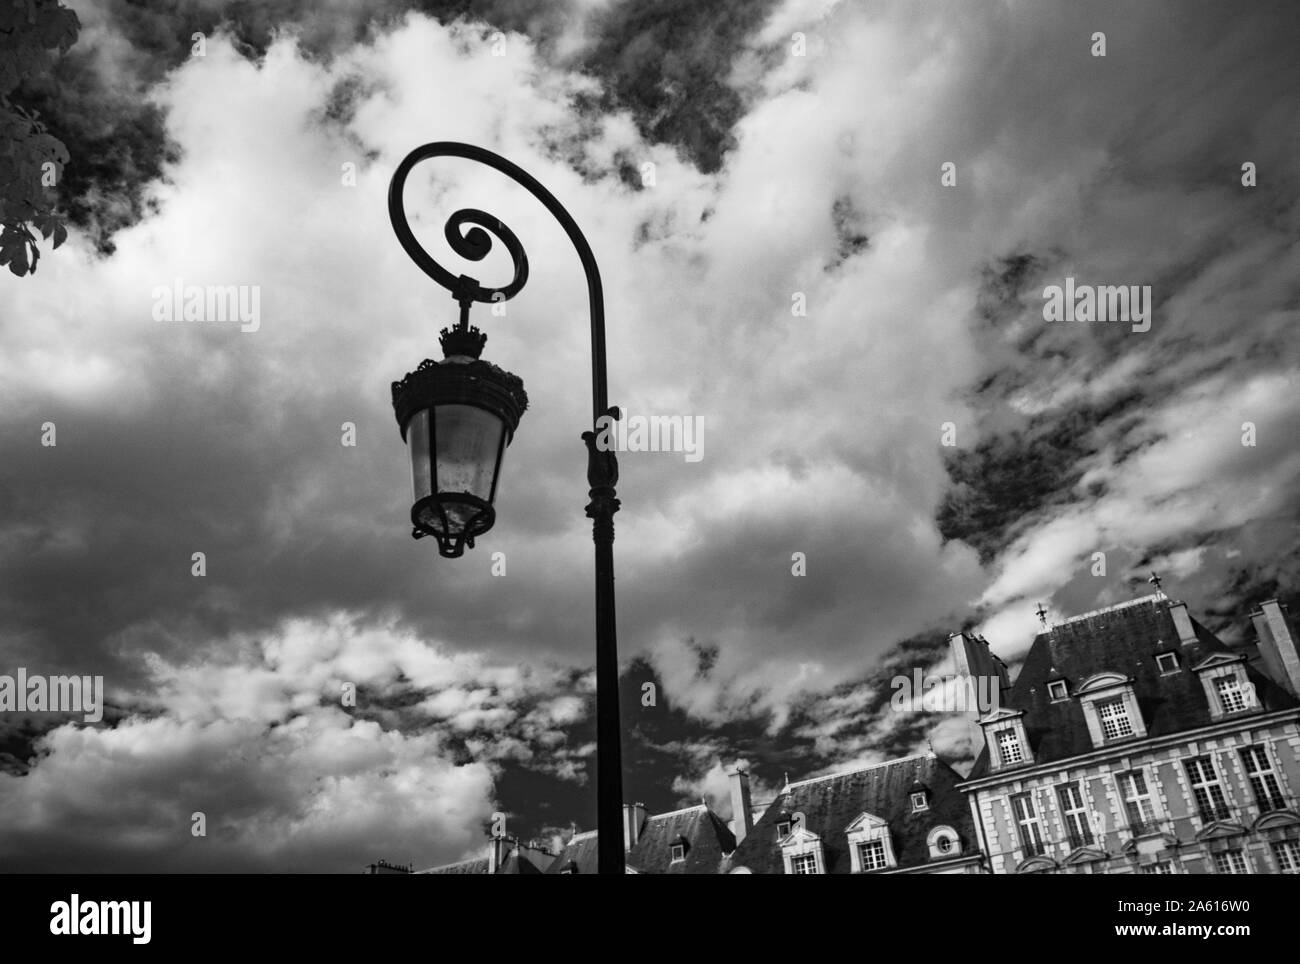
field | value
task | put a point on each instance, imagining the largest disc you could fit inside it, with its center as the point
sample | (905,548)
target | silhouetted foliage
(31,158)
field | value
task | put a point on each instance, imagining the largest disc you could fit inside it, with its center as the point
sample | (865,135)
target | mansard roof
(580,852)
(1121,640)
(832,803)
(478,865)
(519,858)
(705,835)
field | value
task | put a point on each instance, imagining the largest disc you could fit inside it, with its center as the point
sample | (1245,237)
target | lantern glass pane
(417,438)
(467,440)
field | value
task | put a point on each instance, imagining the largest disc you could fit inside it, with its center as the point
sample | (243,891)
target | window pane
(1230,695)
(468,440)
(1287,855)
(1009,747)
(872,854)
(1263,779)
(417,439)
(1114,719)
(804,864)
(1230,862)
(1075,814)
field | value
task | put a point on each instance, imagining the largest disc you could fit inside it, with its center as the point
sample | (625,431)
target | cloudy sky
(796,154)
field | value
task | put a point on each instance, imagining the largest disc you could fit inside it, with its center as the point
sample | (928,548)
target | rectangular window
(1074,815)
(1230,862)
(1159,867)
(1206,788)
(678,852)
(1168,663)
(1031,833)
(920,802)
(1287,855)
(1058,690)
(1263,778)
(804,863)
(1009,747)
(1231,696)
(1137,801)
(1114,719)
(872,854)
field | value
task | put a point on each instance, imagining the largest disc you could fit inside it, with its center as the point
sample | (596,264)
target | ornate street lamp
(458,415)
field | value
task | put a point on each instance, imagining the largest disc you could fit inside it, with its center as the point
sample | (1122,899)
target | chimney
(742,809)
(634,815)
(1277,645)
(1183,623)
(972,657)
(498,851)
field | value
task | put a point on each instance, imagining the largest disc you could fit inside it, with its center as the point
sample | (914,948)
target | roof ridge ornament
(1155,581)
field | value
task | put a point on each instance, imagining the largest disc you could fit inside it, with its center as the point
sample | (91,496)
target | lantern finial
(462,340)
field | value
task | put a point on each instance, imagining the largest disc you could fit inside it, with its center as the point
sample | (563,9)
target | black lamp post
(458,415)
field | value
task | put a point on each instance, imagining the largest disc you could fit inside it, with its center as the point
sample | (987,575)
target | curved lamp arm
(475,244)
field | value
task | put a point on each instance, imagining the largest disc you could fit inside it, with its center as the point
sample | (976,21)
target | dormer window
(870,844)
(1110,708)
(782,829)
(943,843)
(678,851)
(1058,689)
(1168,663)
(871,854)
(1228,690)
(1004,733)
(920,801)
(801,852)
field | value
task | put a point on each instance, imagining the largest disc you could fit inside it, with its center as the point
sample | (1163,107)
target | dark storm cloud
(666,61)
(1000,485)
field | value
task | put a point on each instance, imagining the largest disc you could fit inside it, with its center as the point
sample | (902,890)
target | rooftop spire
(1155,581)
(1042,615)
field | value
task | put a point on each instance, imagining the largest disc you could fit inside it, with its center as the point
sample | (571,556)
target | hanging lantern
(457,416)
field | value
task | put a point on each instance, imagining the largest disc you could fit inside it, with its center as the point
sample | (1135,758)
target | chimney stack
(634,815)
(498,851)
(972,657)
(1183,623)
(742,810)
(1277,645)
